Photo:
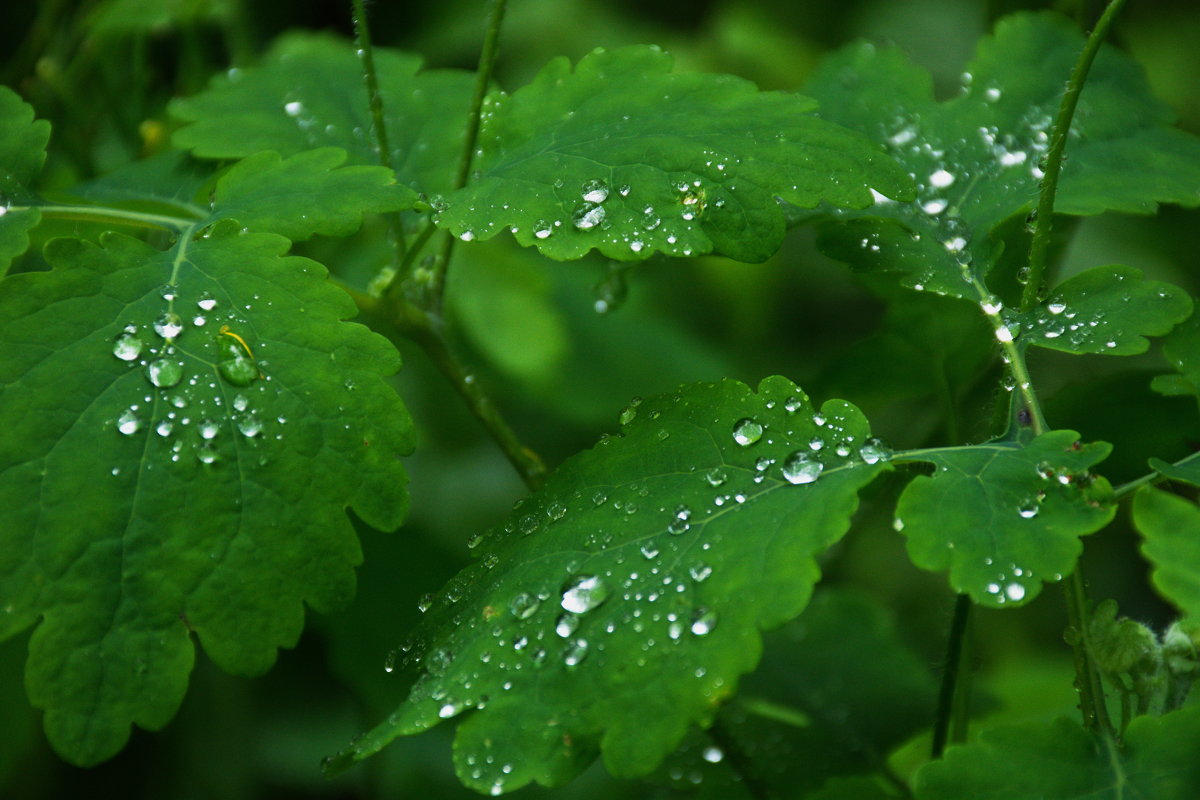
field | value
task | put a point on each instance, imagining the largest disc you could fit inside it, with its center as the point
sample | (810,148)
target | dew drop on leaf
(873,451)
(128,423)
(715,476)
(168,325)
(594,191)
(249,426)
(164,373)
(703,622)
(1015,591)
(566,625)
(800,468)
(238,370)
(208,429)
(207,454)
(524,605)
(127,347)
(575,653)
(588,216)
(583,593)
(747,431)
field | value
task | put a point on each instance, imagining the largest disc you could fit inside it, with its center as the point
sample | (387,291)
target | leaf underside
(619,605)
(626,157)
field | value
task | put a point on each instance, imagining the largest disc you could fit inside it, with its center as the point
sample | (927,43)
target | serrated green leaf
(23,142)
(1062,761)
(170,181)
(618,606)
(308,92)
(145,496)
(1170,528)
(305,194)
(1106,310)
(622,155)
(976,156)
(1004,518)
(1182,349)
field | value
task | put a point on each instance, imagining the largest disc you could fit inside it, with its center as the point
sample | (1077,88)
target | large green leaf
(1004,518)
(1106,310)
(22,151)
(977,157)
(1170,528)
(309,93)
(622,155)
(618,605)
(185,429)
(1060,760)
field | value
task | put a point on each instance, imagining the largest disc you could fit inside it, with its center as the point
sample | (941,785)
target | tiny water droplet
(208,429)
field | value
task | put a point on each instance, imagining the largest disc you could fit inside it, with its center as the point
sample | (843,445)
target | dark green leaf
(185,429)
(1107,310)
(309,93)
(306,194)
(976,157)
(1005,518)
(625,156)
(169,182)
(1062,761)
(22,151)
(1187,471)
(1170,528)
(1182,349)
(618,606)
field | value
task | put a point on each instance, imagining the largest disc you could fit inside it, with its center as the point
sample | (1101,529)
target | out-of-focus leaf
(23,142)
(1170,528)
(1182,349)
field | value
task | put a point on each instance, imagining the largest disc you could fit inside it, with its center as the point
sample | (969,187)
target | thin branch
(953,708)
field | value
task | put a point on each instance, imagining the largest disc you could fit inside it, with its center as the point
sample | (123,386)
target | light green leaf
(622,155)
(976,157)
(1004,518)
(1062,761)
(1187,470)
(618,606)
(185,429)
(22,152)
(306,194)
(169,182)
(1182,349)
(309,92)
(1106,310)
(1170,528)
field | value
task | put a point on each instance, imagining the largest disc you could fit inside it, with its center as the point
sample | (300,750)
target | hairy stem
(1087,677)
(483,77)
(366,56)
(1054,157)
(117,216)
(953,709)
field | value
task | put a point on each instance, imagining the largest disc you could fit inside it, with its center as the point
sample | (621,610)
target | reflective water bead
(583,593)
(208,429)
(799,468)
(715,476)
(250,426)
(704,622)
(524,605)
(127,347)
(164,373)
(594,191)
(575,653)
(566,625)
(128,423)
(747,431)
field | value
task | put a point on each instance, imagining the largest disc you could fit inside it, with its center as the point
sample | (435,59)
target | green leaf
(184,431)
(1170,528)
(1005,518)
(22,152)
(1106,310)
(306,194)
(976,157)
(309,92)
(1182,349)
(625,156)
(618,606)
(1062,761)
(169,182)
(1186,471)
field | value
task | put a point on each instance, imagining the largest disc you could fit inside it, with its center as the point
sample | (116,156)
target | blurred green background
(102,73)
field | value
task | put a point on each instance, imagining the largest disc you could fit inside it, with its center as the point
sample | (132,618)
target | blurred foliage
(102,72)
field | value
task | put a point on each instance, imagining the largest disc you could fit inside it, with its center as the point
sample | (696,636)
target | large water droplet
(583,593)
(128,423)
(208,429)
(250,426)
(524,605)
(703,622)
(873,451)
(800,468)
(207,454)
(566,625)
(164,373)
(238,370)
(746,431)
(168,325)
(127,347)
(588,216)
(594,191)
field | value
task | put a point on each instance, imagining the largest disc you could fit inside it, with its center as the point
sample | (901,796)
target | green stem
(1152,478)
(424,329)
(1087,677)
(366,56)
(105,214)
(483,78)
(1030,296)
(953,709)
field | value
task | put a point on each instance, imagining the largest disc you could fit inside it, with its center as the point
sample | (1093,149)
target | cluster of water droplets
(201,386)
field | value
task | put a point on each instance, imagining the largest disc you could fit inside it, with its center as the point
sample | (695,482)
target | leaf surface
(186,428)
(618,606)
(1004,518)
(625,156)
(1182,349)
(1062,761)
(309,93)
(1170,528)
(22,152)
(976,157)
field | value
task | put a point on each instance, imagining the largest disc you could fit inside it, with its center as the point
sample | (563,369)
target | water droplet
(800,468)
(556,511)
(629,413)
(746,431)
(424,602)
(293,109)
(238,370)
(588,216)
(1028,509)
(566,625)
(250,426)
(207,454)
(679,521)
(206,302)
(575,653)
(703,622)
(941,179)
(700,572)
(594,191)
(524,605)
(583,593)
(164,373)
(128,423)
(168,325)
(542,229)
(164,428)
(649,551)
(1056,308)
(713,755)
(873,451)
(1015,591)
(715,476)
(467,236)
(208,429)
(127,347)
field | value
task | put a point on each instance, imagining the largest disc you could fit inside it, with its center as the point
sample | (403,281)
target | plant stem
(424,329)
(366,56)
(1087,677)
(953,709)
(483,77)
(1054,158)
(117,215)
